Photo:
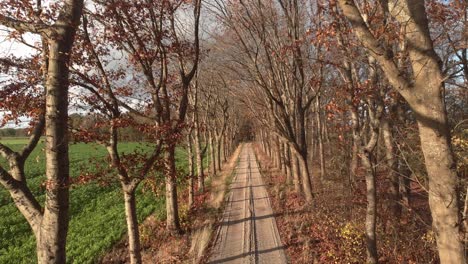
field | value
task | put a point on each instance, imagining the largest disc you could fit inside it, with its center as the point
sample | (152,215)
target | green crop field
(96,212)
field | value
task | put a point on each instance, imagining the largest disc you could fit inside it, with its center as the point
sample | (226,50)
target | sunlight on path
(248,231)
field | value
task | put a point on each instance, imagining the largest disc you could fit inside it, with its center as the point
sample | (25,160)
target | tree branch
(34,138)
(354,16)
(23,26)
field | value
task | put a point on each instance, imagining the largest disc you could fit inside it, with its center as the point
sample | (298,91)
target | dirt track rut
(248,231)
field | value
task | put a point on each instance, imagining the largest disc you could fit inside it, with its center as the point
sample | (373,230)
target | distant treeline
(13,132)
(93,123)
(79,121)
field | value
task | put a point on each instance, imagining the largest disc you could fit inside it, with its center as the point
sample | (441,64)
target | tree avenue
(356,109)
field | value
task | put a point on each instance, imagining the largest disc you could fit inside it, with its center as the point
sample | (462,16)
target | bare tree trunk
(288,164)
(375,109)
(320,139)
(405,182)
(54,225)
(443,183)
(262,140)
(371,211)
(132,224)
(52,238)
(190,157)
(199,155)
(207,152)
(465,216)
(392,169)
(295,171)
(128,188)
(218,152)
(278,153)
(305,178)
(212,152)
(268,145)
(356,143)
(283,159)
(172,206)
(225,148)
(326,135)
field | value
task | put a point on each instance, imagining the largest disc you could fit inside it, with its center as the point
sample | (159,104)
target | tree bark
(199,155)
(51,242)
(283,159)
(295,172)
(288,164)
(320,139)
(356,144)
(279,164)
(191,176)
(212,152)
(405,182)
(225,148)
(371,210)
(172,207)
(305,178)
(443,193)
(268,145)
(392,169)
(218,152)
(132,225)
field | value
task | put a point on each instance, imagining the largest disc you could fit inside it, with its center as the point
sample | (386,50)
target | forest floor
(331,229)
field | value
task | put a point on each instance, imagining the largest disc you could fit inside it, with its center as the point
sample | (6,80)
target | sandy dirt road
(248,231)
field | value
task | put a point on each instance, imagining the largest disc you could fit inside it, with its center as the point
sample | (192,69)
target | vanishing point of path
(248,231)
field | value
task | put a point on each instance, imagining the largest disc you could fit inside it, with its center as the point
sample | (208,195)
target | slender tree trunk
(371,211)
(212,152)
(405,181)
(52,239)
(310,141)
(172,206)
(199,156)
(269,147)
(392,168)
(368,160)
(262,140)
(288,164)
(403,169)
(356,143)
(295,172)
(320,139)
(132,225)
(191,187)
(218,152)
(207,152)
(465,216)
(283,159)
(278,154)
(226,146)
(305,178)
(326,135)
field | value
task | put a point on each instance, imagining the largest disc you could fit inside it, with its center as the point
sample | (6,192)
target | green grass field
(96,212)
